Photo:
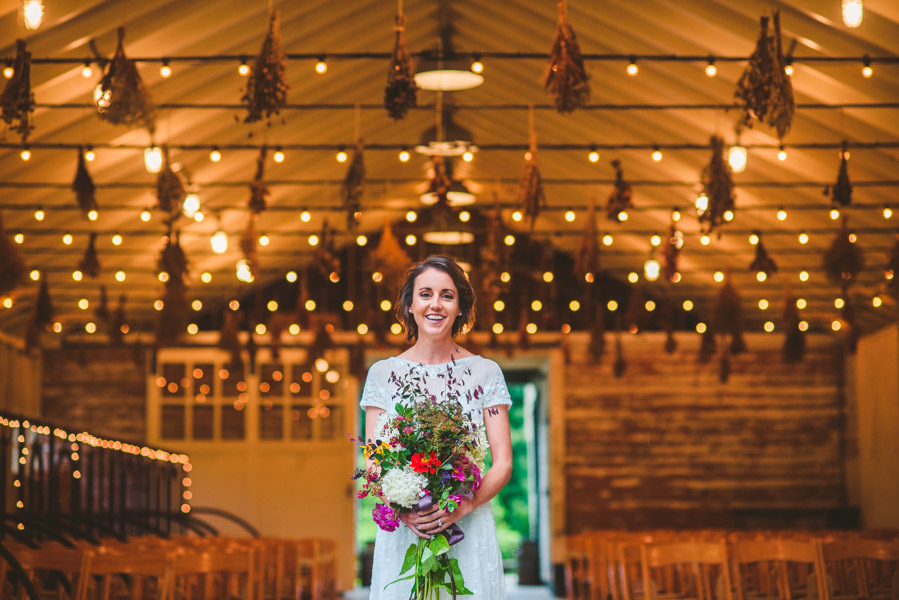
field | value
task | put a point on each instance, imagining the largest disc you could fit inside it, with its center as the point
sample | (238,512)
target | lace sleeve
(496,391)
(375,392)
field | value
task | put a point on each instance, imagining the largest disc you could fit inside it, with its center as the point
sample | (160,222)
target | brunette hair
(466,294)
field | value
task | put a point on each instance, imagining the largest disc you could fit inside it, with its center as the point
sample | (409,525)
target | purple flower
(385,517)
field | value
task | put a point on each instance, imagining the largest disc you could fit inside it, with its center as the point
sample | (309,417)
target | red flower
(422,465)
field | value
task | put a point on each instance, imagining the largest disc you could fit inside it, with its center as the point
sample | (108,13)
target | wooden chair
(873,562)
(119,573)
(66,565)
(217,571)
(705,560)
(578,577)
(776,576)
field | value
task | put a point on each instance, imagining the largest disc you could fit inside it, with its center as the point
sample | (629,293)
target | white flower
(403,486)
(479,453)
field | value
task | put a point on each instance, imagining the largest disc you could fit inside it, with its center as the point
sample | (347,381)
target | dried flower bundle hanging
(724,367)
(566,78)
(530,196)
(172,260)
(597,346)
(173,319)
(586,260)
(401,92)
(620,366)
(267,84)
(118,324)
(41,317)
(90,262)
(844,260)
(763,262)
(781,103)
(728,316)
(17,100)
(229,340)
(718,187)
(122,98)
(389,259)
(249,245)
(621,197)
(84,187)
(169,190)
(707,347)
(671,252)
(258,189)
(794,340)
(668,317)
(841,192)
(892,270)
(327,259)
(102,310)
(754,86)
(12,265)
(354,187)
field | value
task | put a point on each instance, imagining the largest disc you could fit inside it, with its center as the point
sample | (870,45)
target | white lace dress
(478,554)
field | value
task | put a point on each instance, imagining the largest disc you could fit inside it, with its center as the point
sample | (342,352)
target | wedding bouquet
(429,452)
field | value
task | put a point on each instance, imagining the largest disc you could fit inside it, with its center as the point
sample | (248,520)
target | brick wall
(97,389)
(667,445)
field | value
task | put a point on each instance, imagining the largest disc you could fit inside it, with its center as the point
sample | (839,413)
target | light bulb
(867,71)
(341,156)
(153,159)
(652,268)
(853,13)
(278,156)
(165,71)
(8,72)
(305,216)
(468,156)
(728,215)
(887,212)
(834,214)
(702,203)
(719,276)
(593,156)
(219,242)
(33,13)
(803,238)
(67,239)
(102,97)
(570,216)
(25,154)
(657,155)
(89,154)
(710,69)
(675,215)
(464,216)
(117,240)
(87,71)
(321,67)
(477,66)
(92,215)
(243,272)
(313,240)
(39,214)
(361,240)
(215,155)
(788,68)
(754,239)
(688,305)
(264,240)
(517,216)
(191,204)
(404,156)
(781,214)
(632,68)
(803,275)
(607,240)
(655,240)
(877,302)
(781,154)
(244,69)
(145,215)
(763,304)
(737,157)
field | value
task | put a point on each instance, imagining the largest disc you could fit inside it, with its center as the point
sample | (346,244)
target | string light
(215,155)
(728,215)
(153,159)
(652,268)
(243,272)
(25,154)
(321,66)
(719,276)
(278,156)
(165,71)
(341,156)
(710,69)
(570,216)
(675,215)
(219,241)
(39,214)
(623,216)
(702,203)
(313,240)
(87,71)
(803,276)
(499,306)
(531,328)
(700,328)
(836,325)
(497,328)
(607,240)
(688,305)
(35,275)
(632,68)
(92,215)
(33,13)
(77,275)
(761,276)
(803,238)
(574,306)
(633,277)
(7,302)
(655,240)
(781,154)
(656,154)
(243,69)
(67,239)
(509,240)
(145,215)
(803,325)
(877,301)
(834,214)
(867,69)
(404,156)
(411,239)
(90,327)
(305,216)
(120,276)
(548,276)
(763,304)
(536,306)
(517,216)
(309,305)
(853,13)
(361,240)
(348,305)
(769,326)
(737,158)
(852,237)
(887,212)
(464,216)
(781,214)
(705,240)
(89,154)
(468,156)
(206,277)
(477,66)
(788,66)
(593,155)
(116,239)
(291,276)
(801,303)
(754,239)
(19,238)
(264,240)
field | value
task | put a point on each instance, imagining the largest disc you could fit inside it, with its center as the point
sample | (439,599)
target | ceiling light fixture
(33,13)
(853,13)
(444,72)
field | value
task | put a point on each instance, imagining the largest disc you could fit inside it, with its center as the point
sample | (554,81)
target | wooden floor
(513,591)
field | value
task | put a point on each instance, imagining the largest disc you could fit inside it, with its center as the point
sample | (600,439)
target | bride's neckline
(449,362)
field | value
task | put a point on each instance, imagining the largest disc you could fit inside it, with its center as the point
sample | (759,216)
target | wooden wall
(97,389)
(667,445)
(20,378)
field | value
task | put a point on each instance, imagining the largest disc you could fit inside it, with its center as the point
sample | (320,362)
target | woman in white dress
(435,302)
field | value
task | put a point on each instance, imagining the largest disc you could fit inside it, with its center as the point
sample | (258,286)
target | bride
(435,302)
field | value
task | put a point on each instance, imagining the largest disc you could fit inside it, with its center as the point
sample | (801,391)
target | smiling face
(435,303)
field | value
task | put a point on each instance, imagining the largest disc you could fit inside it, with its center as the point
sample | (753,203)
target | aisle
(513,591)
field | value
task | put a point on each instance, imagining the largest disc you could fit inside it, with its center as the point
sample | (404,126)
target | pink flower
(408,430)
(385,517)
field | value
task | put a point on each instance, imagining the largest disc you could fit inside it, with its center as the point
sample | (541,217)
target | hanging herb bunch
(727,318)
(12,265)
(763,262)
(764,90)
(892,270)
(258,189)
(389,259)
(173,316)
(249,244)
(17,100)
(122,98)
(718,187)
(41,317)
(586,261)
(354,187)
(83,186)
(566,78)
(169,191)
(794,339)
(118,324)
(671,252)
(844,259)
(530,196)
(401,92)
(267,84)
(326,258)
(621,197)
(841,192)
(90,262)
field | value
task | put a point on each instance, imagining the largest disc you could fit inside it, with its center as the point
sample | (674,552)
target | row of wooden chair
(181,568)
(721,565)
